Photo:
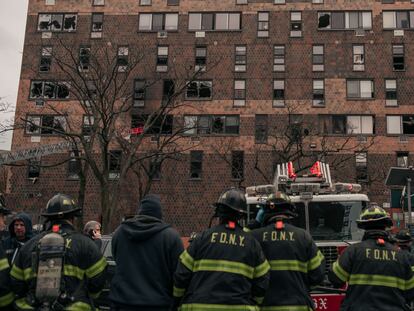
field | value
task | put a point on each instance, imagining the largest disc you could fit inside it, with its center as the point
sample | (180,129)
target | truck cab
(327,210)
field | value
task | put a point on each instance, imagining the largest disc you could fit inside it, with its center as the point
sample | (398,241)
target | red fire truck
(327,210)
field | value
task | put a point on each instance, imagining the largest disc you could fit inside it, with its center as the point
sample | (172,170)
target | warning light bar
(260,190)
(347,188)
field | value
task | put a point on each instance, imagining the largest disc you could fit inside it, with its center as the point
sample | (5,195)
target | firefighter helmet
(233,199)
(279,203)
(60,206)
(374,217)
(403,236)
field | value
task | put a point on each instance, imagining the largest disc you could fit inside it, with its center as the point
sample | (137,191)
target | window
(162,58)
(214,21)
(173,2)
(57,22)
(318,93)
(398,19)
(351,125)
(158,22)
(50,2)
(262,24)
(45,59)
(49,90)
(345,20)
(200,58)
(196,164)
(45,125)
(87,125)
(98,2)
(239,93)
(358,57)
(278,93)
(400,125)
(317,1)
(398,57)
(237,164)
(199,90)
(74,165)
(361,167)
(122,58)
(360,125)
(391,92)
(296,24)
(318,58)
(402,159)
(139,93)
(241,1)
(84,58)
(360,89)
(168,91)
(212,124)
(261,128)
(33,170)
(279,1)
(159,125)
(91,88)
(114,163)
(97,25)
(145,2)
(278,58)
(240,58)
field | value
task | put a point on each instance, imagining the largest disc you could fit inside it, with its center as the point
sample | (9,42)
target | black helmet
(233,199)
(3,209)
(374,217)
(403,236)
(60,206)
(279,203)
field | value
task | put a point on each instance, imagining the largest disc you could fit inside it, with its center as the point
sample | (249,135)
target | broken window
(338,125)
(139,93)
(199,90)
(345,20)
(122,58)
(33,169)
(261,129)
(361,164)
(237,164)
(408,124)
(196,164)
(84,58)
(87,125)
(161,125)
(74,165)
(33,125)
(212,124)
(200,58)
(114,163)
(168,91)
(162,58)
(49,90)
(402,159)
(97,22)
(45,59)
(57,22)
(398,57)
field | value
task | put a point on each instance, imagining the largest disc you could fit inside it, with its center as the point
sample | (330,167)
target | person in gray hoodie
(146,252)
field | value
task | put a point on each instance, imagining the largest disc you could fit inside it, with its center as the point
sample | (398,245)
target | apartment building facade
(339,72)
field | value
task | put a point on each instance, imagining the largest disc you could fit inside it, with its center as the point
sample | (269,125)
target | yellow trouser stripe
(6,299)
(4,264)
(23,305)
(208,307)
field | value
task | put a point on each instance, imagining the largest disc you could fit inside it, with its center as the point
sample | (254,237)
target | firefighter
(224,268)
(296,264)
(58,269)
(404,242)
(6,296)
(379,277)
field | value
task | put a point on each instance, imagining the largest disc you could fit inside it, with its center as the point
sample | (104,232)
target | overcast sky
(12,26)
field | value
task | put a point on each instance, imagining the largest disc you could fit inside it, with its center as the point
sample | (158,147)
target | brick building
(340,69)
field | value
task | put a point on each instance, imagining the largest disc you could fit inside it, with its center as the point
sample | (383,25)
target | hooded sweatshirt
(146,252)
(11,244)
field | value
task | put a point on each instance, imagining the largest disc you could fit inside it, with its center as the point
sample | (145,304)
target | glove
(260,215)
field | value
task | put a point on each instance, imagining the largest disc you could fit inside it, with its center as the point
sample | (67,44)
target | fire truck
(327,210)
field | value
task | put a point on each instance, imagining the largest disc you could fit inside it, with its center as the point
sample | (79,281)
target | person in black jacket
(224,268)
(379,276)
(83,270)
(6,296)
(20,230)
(296,264)
(146,252)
